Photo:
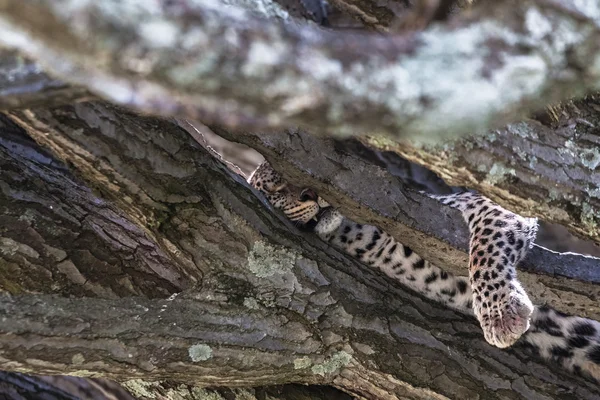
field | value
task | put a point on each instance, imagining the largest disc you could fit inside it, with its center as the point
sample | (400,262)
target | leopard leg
(499,239)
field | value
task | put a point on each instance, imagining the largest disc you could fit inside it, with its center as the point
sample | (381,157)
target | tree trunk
(182,275)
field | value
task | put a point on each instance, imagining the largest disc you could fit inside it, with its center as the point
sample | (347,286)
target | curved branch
(217,64)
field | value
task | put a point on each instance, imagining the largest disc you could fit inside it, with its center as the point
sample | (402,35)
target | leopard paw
(504,314)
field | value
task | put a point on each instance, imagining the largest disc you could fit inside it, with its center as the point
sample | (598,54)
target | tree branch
(361,331)
(550,172)
(373,195)
(24,84)
(218,65)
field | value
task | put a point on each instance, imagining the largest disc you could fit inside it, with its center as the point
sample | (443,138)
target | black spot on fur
(462,286)
(499,223)
(549,326)
(510,235)
(497,236)
(476,275)
(584,328)
(360,253)
(407,251)
(561,352)
(431,278)
(347,229)
(520,244)
(371,245)
(387,260)
(420,264)
(393,248)
(379,253)
(343,239)
(443,275)
(500,244)
(594,354)
(487,232)
(578,341)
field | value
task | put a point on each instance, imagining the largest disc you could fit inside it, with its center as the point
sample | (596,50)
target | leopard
(498,240)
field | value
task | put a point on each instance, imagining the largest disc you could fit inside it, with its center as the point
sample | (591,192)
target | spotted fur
(298,205)
(491,291)
(499,239)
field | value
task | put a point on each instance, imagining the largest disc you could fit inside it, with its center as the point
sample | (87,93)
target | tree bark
(201,60)
(547,168)
(14,386)
(257,305)
(375,196)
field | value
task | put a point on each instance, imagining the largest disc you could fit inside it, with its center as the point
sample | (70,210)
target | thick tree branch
(24,84)
(375,196)
(217,64)
(358,329)
(548,172)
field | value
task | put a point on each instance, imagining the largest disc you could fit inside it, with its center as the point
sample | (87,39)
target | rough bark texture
(548,169)
(375,196)
(266,308)
(205,60)
(15,386)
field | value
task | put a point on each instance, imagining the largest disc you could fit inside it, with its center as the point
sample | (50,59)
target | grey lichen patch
(334,363)
(266,260)
(196,393)
(77,359)
(302,363)
(200,352)
(589,218)
(251,303)
(593,192)
(11,247)
(522,129)
(590,158)
(498,173)
(140,388)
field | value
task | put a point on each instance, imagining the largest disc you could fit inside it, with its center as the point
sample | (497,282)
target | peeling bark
(270,308)
(220,65)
